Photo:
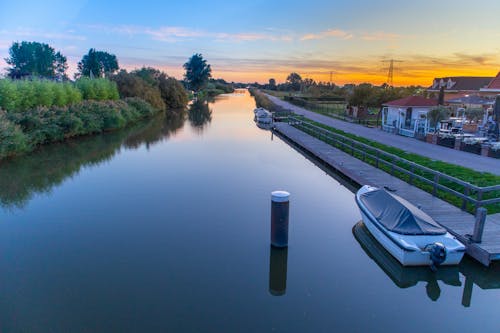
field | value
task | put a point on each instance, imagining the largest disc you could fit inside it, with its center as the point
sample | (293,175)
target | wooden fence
(464,192)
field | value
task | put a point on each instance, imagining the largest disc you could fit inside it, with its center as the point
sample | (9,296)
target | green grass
(477,178)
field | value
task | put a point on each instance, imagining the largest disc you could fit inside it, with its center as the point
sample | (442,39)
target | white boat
(263,116)
(405,231)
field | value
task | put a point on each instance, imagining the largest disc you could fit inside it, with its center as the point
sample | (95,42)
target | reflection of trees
(159,129)
(199,114)
(50,165)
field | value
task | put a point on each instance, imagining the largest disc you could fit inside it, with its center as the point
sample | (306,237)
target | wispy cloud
(380,35)
(174,34)
(336,33)
(25,32)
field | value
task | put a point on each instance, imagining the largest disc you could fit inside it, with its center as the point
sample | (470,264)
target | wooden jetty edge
(459,223)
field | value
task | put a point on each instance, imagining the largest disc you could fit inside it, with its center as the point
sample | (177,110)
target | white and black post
(280,203)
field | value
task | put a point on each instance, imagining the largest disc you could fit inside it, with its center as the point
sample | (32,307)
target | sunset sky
(249,41)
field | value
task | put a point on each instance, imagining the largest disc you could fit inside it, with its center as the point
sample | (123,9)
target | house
(459,86)
(407,116)
(493,87)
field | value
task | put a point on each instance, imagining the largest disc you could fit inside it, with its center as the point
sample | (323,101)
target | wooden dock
(459,223)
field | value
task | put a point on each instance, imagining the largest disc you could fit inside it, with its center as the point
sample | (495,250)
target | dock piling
(280,203)
(477,236)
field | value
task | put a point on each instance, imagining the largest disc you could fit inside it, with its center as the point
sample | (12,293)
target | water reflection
(481,276)
(24,176)
(278,259)
(406,277)
(199,114)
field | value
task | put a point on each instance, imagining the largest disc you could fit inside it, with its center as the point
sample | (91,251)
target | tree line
(39,60)
(364,94)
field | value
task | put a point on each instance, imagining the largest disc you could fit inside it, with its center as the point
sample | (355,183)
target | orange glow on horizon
(411,74)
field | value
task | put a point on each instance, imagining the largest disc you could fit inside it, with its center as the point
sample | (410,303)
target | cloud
(337,33)
(174,34)
(380,35)
(481,59)
(25,32)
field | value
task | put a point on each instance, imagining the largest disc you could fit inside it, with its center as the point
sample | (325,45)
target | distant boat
(263,116)
(405,231)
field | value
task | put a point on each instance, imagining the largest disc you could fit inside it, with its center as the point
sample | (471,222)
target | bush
(173,93)
(24,131)
(12,139)
(133,85)
(24,95)
(97,89)
(153,86)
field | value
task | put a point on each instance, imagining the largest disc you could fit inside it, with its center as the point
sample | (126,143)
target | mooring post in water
(477,236)
(280,202)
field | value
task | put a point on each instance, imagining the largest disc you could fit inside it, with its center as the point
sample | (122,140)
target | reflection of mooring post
(467,294)
(277,270)
(280,201)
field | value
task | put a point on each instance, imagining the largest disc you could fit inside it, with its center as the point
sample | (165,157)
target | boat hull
(409,249)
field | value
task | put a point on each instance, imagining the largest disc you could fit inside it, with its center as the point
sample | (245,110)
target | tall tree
(272,84)
(97,63)
(35,59)
(294,80)
(197,72)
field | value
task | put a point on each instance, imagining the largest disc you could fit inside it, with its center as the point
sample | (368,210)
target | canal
(165,227)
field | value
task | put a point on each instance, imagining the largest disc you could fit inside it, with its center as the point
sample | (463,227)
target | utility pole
(390,74)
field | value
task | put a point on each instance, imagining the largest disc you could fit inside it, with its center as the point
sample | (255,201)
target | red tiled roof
(413,101)
(495,83)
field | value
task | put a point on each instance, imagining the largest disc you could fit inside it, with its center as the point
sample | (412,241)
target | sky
(253,41)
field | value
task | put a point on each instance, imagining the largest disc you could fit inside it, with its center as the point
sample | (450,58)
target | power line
(390,74)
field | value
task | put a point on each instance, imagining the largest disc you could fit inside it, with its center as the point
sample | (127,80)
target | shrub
(24,95)
(97,89)
(173,93)
(133,85)
(12,139)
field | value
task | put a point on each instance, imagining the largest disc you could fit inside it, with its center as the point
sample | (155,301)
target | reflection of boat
(409,234)
(404,277)
(263,116)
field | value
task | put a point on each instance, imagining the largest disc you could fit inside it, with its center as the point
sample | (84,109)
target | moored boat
(263,116)
(405,231)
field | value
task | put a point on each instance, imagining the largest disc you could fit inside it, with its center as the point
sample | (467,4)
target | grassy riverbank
(22,132)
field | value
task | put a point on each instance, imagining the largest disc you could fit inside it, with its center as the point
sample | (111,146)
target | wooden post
(412,169)
(479,225)
(464,201)
(436,182)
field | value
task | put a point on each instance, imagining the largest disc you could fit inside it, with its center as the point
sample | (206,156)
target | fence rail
(334,112)
(466,192)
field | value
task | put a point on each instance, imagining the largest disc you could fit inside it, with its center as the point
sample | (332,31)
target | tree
(272,84)
(35,59)
(437,114)
(441,96)
(97,63)
(294,80)
(197,72)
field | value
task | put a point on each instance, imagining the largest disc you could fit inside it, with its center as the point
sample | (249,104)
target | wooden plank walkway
(457,222)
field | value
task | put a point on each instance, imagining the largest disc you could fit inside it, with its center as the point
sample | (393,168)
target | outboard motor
(437,252)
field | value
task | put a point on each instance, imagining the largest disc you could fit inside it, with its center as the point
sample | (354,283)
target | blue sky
(256,40)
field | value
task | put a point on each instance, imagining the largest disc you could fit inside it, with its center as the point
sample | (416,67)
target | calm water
(164,227)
